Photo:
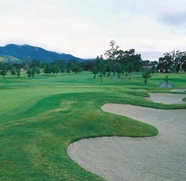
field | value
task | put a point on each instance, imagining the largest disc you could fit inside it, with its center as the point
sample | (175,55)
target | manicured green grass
(40,117)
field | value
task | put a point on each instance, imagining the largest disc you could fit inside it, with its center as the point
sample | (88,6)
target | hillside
(5,58)
(27,52)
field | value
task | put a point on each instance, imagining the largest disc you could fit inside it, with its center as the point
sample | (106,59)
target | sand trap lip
(167,98)
(119,158)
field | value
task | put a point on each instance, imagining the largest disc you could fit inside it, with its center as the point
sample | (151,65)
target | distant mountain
(27,52)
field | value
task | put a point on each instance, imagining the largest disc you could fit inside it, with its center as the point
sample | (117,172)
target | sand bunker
(162,157)
(167,98)
(178,90)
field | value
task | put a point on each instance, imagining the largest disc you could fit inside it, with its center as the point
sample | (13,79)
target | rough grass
(40,117)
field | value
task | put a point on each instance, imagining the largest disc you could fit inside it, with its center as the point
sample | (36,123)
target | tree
(13,72)
(18,70)
(118,69)
(137,69)
(68,70)
(111,54)
(18,73)
(95,71)
(87,65)
(73,65)
(62,70)
(55,69)
(160,65)
(29,72)
(61,63)
(108,69)
(37,71)
(171,61)
(3,70)
(33,71)
(183,62)
(47,69)
(184,66)
(165,63)
(101,68)
(129,61)
(146,74)
(75,69)
(35,63)
(166,79)
(129,69)
(153,69)
(175,57)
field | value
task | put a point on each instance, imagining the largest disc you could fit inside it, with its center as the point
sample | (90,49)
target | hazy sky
(84,28)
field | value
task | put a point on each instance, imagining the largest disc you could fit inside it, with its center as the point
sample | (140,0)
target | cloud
(173,13)
(175,19)
(151,55)
(85,27)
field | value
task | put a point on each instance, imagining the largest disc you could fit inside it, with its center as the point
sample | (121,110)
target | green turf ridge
(40,117)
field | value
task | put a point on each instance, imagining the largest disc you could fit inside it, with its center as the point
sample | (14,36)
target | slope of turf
(42,116)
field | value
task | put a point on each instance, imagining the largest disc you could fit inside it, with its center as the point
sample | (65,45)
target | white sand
(167,98)
(177,90)
(159,158)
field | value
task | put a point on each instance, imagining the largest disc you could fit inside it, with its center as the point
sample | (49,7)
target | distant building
(147,67)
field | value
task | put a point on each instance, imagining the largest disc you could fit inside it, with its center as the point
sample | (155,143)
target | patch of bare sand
(162,157)
(167,98)
(178,90)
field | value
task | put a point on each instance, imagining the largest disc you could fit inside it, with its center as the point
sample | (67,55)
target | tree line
(116,62)
(173,61)
(35,66)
